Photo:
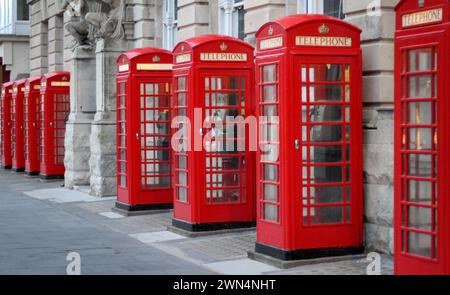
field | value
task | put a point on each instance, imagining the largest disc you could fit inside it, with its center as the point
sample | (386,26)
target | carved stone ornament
(92,20)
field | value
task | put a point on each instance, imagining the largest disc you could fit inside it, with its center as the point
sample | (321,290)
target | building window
(22,10)
(5,16)
(231,18)
(327,7)
(170,23)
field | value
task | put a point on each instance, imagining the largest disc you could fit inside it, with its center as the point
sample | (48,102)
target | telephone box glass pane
(42,143)
(26,119)
(13,126)
(155,136)
(121,135)
(61,108)
(2,128)
(223,139)
(269,143)
(180,139)
(325,103)
(420,163)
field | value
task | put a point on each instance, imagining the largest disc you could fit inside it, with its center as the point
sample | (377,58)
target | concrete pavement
(40,223)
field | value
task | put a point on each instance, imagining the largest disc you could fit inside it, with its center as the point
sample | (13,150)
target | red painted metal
(144,87)
(5,121)
(54,112)
(17,140)
(422,208)
(212,189)
(32,125)
(309,175)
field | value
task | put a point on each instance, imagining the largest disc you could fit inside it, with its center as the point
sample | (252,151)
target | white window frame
(229,17)
(9,24)
(170,24)
(310,6)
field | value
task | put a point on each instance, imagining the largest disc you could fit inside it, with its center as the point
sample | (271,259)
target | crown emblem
(182,48)
(223,46)
(324,29)
(421,3)
(156,58)
(64,78)
(270,31)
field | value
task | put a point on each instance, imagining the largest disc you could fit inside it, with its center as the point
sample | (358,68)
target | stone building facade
(90,134)
(14,40)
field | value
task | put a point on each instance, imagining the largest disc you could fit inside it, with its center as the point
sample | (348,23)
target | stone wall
(46,36)
(13,51)
(377,20)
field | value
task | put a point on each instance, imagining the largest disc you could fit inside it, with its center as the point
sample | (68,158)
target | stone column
(82,110)
(103,129)
(259,12)
(377,20)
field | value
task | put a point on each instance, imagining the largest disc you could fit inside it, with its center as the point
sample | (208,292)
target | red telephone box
(144,88)
(422,174)
(54,112)
(31,124)
(18,163)
(213,169)
(5,121)
(309,88)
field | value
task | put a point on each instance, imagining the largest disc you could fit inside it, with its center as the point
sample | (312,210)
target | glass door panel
(269,141)
(225,139)
(61,110)
(122,135)
(325,121)
(181,139)
(155,135)
(419,153)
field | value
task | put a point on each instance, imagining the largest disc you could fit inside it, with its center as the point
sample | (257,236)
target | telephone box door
(421,191)
(152,139)
(328,126)
(224,97)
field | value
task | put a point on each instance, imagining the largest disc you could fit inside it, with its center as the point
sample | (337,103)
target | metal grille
(325,109)
(155,135)
(270,143)
(419,129)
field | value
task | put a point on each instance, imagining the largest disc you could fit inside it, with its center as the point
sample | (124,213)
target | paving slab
(241,267)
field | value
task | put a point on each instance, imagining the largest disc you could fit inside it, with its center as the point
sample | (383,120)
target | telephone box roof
(19,82)
(8,84)
(34,79)
(402,2)
(55,74)
(292,21)
(134,53)
(204,39)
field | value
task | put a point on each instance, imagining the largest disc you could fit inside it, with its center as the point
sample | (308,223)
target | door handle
(201,131)
(138,136)
(297,144)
